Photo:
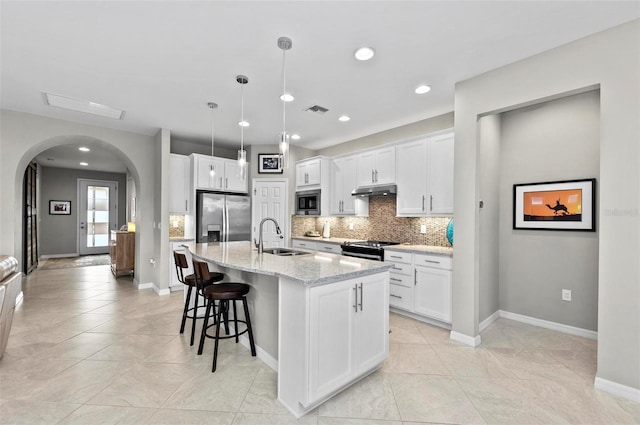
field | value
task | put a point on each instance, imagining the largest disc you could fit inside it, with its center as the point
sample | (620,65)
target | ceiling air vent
(317,109)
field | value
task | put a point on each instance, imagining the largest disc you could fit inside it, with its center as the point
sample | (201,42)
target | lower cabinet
(433,293)
(304,244)
(348,330)
(122,250)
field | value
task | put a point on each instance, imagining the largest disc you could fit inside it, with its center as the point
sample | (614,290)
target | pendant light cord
(242,117)
(212,129)
(284,91)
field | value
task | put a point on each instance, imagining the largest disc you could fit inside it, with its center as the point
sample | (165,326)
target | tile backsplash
(176,231)
(382,224)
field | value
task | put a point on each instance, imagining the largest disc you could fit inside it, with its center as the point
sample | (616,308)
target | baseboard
(19,298)
(419,318)
(571,330)
(465,339)
(176,288)
(620,390)
(161,292)
(489,320)
(147,285)
(69,255)
(260,353)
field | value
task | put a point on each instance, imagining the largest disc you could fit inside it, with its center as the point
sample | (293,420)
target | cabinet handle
(422,202)
(376,176)
(226,182)
(328,248)
(395,296)
(395,256)
(432,261)
(355,298)
(220,182)
(186,204)
(395,280)
(302,244)
(361,296)
(430,202)
(415,277)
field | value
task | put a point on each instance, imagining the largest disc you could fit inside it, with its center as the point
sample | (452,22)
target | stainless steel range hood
(384,190)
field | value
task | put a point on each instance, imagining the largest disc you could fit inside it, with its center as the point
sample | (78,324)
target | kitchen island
(320,320)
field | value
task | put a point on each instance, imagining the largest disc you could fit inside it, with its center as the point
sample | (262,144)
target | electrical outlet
(566,295)
(175,223)
(350,226)
(423,229)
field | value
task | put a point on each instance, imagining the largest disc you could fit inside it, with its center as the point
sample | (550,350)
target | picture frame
(59,207)
(559,205)
(269,163)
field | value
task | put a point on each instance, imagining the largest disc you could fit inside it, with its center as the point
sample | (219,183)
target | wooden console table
(122,251)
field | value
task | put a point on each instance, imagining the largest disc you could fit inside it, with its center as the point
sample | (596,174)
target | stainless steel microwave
(308,202)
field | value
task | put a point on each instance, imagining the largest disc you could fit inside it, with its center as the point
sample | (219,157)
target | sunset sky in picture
(535,202)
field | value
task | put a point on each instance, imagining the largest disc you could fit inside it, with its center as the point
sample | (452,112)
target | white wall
(552,141)
(610,60)
(23,136)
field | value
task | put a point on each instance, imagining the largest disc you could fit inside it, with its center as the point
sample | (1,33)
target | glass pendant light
(242,154)
(212,106)
(284,43)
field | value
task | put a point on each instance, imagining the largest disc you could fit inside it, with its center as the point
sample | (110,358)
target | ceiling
(162,62)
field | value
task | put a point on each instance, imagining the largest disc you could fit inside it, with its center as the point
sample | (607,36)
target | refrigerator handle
(225,220)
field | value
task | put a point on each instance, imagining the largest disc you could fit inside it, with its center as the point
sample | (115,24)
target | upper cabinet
(221,174)
(308,173)
(179,184)
(425,176)
(377,167)
(342,184)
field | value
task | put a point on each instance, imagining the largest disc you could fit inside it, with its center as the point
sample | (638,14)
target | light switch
(423,229)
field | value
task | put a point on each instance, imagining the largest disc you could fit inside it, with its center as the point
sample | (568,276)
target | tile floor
(89,349)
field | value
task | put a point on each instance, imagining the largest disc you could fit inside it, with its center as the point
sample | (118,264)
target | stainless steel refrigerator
(222,217)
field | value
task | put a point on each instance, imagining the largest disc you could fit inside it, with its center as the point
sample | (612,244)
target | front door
(270,200)
(97,215)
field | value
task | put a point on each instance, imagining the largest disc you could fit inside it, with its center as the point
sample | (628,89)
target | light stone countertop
(338,241)
(181,239)
(423,249)
(315,268)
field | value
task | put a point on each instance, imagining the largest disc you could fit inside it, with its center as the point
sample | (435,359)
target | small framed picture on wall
(60,207)
(269,163)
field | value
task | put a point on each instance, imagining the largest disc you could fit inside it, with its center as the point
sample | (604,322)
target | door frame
(283,226)
(113,224)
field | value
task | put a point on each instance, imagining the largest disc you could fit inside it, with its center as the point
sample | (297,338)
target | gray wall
(59,233)
(184,147)
(557,140)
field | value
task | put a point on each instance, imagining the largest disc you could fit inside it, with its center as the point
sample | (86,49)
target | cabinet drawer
(398,257)
(399,279)
(400,296)
(435,261)
(297,243)
(399,268)
(329,247)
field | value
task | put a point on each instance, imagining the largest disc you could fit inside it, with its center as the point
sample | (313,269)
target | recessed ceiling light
(287,97)
(84,164)
(422,89)
(243,123)
(364,53)
(344,118)
(79,105)
(295,136)
(83,149)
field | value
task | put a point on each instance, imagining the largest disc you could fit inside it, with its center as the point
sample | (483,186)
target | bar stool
(223,293)
(190,281)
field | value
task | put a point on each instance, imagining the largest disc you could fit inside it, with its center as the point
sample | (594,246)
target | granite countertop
(325,240)
(315,268)
(180,239)
(423,249)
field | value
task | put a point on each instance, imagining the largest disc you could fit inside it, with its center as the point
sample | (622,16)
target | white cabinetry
(308,173)
(221,174)
(401,279)
(425,176)
(377,167)
(333,248)
(304,244)
(348,331)
(179,184)
(343,182)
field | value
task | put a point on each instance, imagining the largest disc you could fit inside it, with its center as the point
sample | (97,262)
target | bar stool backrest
(181,263)
(201,273)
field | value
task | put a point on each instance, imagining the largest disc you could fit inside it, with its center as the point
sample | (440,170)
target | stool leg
(235,319)
(186,309)
(225,313)
(204,326)
(248,319)
(215,347)
(195,317)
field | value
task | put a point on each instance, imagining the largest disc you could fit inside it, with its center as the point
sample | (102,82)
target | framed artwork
(60,207)
(269,163)
(561,205)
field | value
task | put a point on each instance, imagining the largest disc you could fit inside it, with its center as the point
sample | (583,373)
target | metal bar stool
(190,281)
(223,293)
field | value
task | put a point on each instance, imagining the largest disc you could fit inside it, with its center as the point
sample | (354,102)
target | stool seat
(190,280)
(226,291)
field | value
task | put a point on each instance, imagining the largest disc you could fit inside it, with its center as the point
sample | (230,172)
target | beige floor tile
(32,368)
(406,336)
(414,358)
(132,348)
(106,415)
(191,417)
(256,419)
(428,398)
(263,395)
(435,335)
(536,364)
(463,361)
(399,321)
(81,346)
(18,412)
(350,421)
(371,398)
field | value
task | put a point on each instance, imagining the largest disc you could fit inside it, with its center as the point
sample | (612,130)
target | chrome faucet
(278,231)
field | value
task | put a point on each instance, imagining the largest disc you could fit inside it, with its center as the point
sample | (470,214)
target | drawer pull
(396,268)
(395,280)
(395,256)
(395,296)
(432,261)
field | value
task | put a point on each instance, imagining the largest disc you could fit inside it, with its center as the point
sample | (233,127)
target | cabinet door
(313,172)
(304,244)
(365,169)
(385,166)
(331,333)
(372,326)
(440,174)
(179,184)
(205,165)
(344,181)
(301,175)
(232,180)
(412,179)
(432,296)
(337,191)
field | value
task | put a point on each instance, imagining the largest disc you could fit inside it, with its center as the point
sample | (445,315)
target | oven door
(375,257)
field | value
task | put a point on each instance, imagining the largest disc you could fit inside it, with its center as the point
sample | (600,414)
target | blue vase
(450,232)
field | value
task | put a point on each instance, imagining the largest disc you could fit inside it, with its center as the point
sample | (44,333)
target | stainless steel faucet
(278,231)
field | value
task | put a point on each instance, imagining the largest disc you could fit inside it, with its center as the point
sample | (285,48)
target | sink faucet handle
(255,242)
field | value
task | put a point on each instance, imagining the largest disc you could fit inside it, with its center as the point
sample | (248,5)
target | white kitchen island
(320,320)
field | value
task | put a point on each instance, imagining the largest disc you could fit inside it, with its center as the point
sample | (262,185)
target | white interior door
(269,199)
(97,215)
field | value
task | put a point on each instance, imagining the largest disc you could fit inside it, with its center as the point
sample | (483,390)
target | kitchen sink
(284,252)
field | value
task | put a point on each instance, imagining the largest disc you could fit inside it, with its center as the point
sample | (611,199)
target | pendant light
(242,154)
(284,43)
(212,106)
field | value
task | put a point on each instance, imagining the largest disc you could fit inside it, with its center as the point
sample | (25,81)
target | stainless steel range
(371,250)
